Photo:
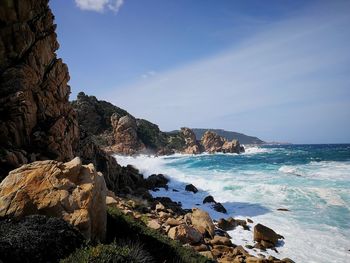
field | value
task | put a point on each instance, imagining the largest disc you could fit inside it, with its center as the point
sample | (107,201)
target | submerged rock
(209,199)
(71,191)
(37,238)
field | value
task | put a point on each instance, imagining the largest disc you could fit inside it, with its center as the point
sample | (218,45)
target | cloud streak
(277,84)
(100,5)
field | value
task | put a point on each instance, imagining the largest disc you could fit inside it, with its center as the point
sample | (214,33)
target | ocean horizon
(310,181)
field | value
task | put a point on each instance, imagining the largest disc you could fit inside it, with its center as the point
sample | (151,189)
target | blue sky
(279,70)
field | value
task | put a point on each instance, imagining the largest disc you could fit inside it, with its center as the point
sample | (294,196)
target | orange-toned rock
(71,191)
(185,234)
(202,222)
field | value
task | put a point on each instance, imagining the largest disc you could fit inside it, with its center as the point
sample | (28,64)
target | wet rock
(156,180)
(71,191)
(283,209)
(209,199)
(219,208)
(262,232)
(227,225)
(191,188)
(37,238)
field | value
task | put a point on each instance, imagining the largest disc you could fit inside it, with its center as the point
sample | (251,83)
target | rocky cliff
(117,131)
(36,120)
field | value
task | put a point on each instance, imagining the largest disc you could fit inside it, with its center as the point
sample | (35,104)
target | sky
(278,70)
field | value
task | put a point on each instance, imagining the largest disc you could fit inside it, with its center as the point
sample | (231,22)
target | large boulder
(232,147)
(202,222)
(266,235)
(37,238)
(125,135)
(71,191)
(36,120)
(185,234)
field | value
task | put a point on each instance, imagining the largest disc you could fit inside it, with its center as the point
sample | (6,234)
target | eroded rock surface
(71,191)
(36,119)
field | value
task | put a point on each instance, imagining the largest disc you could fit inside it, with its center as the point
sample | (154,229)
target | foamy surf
(255,184)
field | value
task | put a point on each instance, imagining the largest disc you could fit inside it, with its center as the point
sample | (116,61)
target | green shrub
(112,253)
(162,248)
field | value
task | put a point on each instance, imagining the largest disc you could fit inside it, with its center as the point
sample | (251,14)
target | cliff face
(36,120)
(124,134)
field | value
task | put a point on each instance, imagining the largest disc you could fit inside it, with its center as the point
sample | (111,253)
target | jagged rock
(156,180)
(125,135)
(37,238)
(185,234)
(202,222)
(36,119)
(192,147)
(99,112)
(71,191)
(212,143)
(219,208)
(208,199)
(172,222)
(231,147)
(262,232)
(191,188)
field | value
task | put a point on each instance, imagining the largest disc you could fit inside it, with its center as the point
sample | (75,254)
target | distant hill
(229,135)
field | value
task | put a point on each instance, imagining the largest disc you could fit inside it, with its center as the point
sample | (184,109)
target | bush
(112,253)
(162,248)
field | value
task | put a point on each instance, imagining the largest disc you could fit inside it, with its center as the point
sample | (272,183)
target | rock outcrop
(37,238)
(212,143)
(126,139)
(192,146)
(36,119)
(71,191)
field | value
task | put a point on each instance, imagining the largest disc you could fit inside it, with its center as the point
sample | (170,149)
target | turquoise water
(312,181)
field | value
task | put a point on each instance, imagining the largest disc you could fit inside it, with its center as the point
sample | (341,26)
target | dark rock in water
(219,208)
(249,220)
(209,199)
(249,246)
(259,246)
(227,225)
(283,209)
(263,233)
(191,188)
(175,190)
(37,238)
(157,181)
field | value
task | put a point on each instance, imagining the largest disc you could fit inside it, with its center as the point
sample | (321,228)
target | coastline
(283,222)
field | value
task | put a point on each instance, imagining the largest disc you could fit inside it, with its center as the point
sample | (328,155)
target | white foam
(251,193)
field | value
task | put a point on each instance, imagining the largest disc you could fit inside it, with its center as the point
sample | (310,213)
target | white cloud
(100,5)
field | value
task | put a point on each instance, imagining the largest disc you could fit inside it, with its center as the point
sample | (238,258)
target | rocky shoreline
(62,195)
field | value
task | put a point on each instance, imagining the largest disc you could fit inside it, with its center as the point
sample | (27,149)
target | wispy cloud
(100,5)
(278,84)
(148,74)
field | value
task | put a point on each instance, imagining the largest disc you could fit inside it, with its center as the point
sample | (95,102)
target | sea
(312,182)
